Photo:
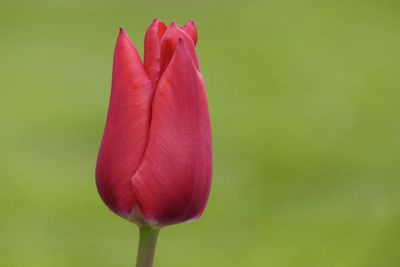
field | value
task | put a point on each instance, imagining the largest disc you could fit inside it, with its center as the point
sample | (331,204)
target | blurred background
(304,98)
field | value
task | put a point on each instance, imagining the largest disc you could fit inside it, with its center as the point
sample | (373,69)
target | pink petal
(191,30)
(127,127)
(169,43)
(152,50)
(173,182)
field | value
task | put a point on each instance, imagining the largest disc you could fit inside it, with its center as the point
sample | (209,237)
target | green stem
(147,246)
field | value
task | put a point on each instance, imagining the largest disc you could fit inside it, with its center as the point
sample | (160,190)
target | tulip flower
(154,164)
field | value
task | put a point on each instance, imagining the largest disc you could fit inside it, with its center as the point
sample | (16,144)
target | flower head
(154,165)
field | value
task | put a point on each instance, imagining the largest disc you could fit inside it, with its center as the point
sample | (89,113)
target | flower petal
(152,50)
(191,30)
(173,181)
(127,127)
(169,43)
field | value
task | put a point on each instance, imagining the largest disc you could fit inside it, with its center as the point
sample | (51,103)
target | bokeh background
(304,98)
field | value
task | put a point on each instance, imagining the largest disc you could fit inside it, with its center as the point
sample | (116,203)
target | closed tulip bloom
(154,164)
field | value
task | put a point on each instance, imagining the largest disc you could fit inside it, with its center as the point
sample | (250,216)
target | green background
(304,99)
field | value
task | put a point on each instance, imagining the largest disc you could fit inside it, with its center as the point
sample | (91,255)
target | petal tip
(191,29)
(190,22)
(173,25)
(122,33)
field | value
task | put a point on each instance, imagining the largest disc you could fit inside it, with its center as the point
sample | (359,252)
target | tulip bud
(154,164)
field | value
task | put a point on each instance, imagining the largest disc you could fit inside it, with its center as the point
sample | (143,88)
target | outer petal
(152,50)
(173,182)
(169,43)
(126,131)
(191,30)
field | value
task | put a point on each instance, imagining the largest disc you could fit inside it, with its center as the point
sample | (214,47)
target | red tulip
(154,164)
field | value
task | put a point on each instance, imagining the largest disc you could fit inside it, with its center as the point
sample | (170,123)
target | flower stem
(147,246)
